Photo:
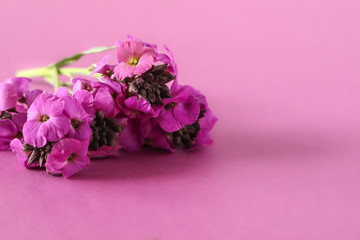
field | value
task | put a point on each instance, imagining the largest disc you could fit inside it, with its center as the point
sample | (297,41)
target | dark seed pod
(186,136)
(103,131)
(151,85)
(38,155)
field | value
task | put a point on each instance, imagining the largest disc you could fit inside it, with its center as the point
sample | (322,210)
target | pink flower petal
(168,122)
(62,92)
(55,128)
(128,50)
(123,70)
(20,83)
(146,61)
(187,112)
(17,146)
(8,96)
(75,166)
(138,104)
(105,102)
(32,134)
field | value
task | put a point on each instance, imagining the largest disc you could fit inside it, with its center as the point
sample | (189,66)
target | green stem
(70,72)
(35,72)
(52,72)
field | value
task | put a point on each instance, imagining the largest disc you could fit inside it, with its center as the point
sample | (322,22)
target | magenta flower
(20,83)
(79,119)
(8,132)
(145,44)
(86,100)
(105,101)
(134,59)
(135,131)
(32,95)
(180,110)
(160,139)
(46,121)
(169,59)
(8,96)
(23,157)
(206,124)
(68,156)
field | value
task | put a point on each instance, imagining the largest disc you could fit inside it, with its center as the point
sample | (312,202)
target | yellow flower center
(134,61)
(44,118)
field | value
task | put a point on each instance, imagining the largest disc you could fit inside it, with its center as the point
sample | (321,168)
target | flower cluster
(137,101)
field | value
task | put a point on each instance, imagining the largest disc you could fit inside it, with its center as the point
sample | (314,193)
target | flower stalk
(53,72)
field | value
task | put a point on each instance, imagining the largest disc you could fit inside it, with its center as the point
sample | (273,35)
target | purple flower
(20,83)
(206,124)
(182,109)
(79,119)
(105,101)
(169,59)
(32,95)
(8,96)
(103,68)
(146,44)
(134,59)
(160,139)
(8,132)
(86,100)
(46,121)
(135,131)
(68,156)
(23,157)
(107,71)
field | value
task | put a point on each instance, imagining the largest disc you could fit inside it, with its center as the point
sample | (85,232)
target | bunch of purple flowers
(133,103)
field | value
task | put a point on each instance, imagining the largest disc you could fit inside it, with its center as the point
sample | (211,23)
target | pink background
(283,78)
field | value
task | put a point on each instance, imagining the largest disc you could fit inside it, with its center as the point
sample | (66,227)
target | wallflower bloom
(22,156)
(79,119)
(68,156)
(180,110)
(8,132)
(46,121)
(134,59)
(20,83)
(8,96)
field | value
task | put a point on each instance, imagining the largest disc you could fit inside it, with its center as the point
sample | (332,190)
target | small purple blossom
(182,109)
(80,120)
(8,96)
(68,156)
(23,157)
(134,59)
(8,132)
(46,121)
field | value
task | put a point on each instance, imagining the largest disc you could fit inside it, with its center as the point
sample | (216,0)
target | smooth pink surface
(282,76)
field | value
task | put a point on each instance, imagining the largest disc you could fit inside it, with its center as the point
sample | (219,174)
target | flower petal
(105,102)
(17,146)
(20,83)
(32,134)
(168,122)
(128,50)
(62,92)
(138,104)
(146,61)
(187,112)
(8,96)
(75,166)
(55,128)
(123,70)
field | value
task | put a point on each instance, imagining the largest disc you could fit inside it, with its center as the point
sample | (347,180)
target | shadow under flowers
(147,162)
